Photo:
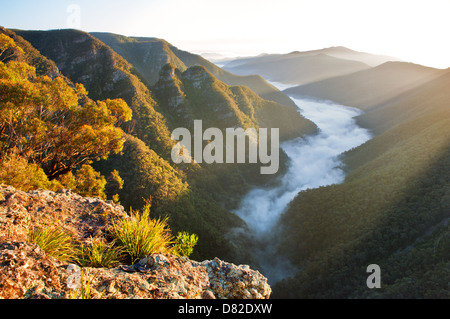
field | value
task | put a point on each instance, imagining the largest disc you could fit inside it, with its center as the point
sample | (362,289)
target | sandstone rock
(27,272)
(229,281)
(83,217)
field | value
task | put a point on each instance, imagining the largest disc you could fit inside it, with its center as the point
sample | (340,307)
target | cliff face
(149,55)
(197,94)
(26,271)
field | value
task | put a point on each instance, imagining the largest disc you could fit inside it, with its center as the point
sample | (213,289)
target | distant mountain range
(349,54)
(369,87)
(306,67)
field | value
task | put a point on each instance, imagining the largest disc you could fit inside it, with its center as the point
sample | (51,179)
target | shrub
(185,243)
(90,183)
(17,172)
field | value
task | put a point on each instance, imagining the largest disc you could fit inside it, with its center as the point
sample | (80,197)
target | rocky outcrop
(169,89)
(81,217)
(228,281)
(26,271)
(197,75)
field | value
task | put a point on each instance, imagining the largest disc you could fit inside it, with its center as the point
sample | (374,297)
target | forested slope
(192,196)
(105,74)
(147,177)
(392,210)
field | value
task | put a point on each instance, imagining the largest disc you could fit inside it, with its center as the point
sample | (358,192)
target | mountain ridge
(199,92)
(296,68)
(183,60)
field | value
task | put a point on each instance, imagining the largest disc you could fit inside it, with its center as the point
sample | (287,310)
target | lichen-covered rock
(229,281)
(81,216)
(27,272)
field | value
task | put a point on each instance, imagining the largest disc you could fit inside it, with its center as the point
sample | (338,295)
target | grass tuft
(140,236)
(98,254)
(55,242)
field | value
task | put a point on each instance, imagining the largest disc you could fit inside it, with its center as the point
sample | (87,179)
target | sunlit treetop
(51,123)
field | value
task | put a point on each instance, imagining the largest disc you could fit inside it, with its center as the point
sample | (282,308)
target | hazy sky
(413,30)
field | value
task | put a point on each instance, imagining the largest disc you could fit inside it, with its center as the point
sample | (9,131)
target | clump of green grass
(98,254)
(140,235)
(185,243)
(55,242)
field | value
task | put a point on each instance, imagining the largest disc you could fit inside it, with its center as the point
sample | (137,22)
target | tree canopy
(53,124)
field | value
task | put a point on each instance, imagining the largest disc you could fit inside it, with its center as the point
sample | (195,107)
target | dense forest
(134,167)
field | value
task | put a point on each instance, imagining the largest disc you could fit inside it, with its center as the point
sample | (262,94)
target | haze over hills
(431,97)
(306,67)
(367,88)
(348,54)
(337,52)
(285,68)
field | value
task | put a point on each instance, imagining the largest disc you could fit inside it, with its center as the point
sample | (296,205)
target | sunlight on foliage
(185,243)
(99,254)
(54,125)
(140,235)
(55,242)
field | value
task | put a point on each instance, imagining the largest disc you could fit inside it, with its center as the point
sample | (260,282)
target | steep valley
(391,209)
(364,157)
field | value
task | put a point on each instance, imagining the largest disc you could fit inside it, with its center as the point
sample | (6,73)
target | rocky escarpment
(26,271)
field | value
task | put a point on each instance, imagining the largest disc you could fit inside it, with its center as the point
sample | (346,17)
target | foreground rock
(27,272)
(81,216)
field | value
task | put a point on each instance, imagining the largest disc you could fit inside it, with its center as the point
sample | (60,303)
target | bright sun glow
(412,30)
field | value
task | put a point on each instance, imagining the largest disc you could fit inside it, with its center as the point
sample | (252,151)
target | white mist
(314,162)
